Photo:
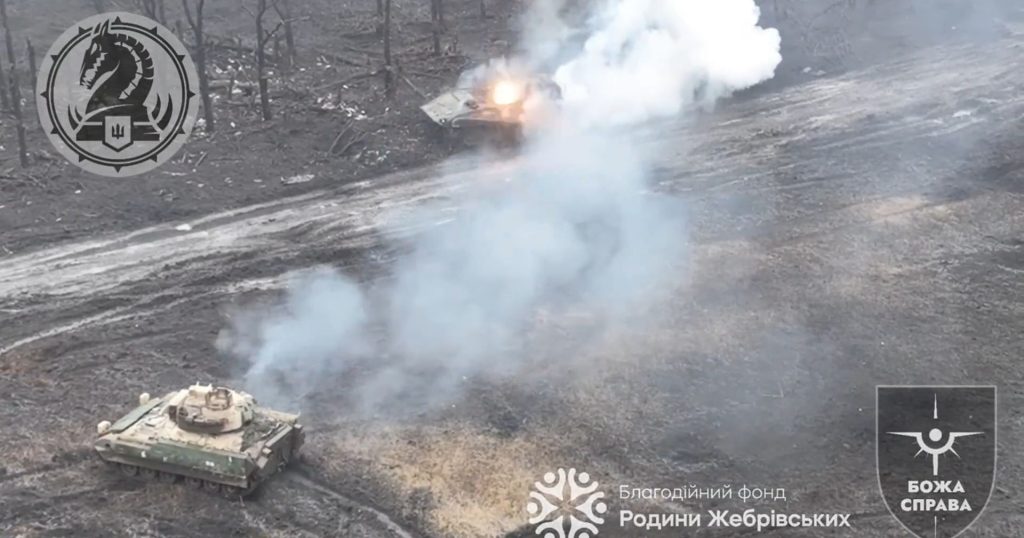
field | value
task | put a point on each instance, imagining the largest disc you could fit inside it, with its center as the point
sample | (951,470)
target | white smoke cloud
(576,225)
(321,324)
(653,58)
(544,31)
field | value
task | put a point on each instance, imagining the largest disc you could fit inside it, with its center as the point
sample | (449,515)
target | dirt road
(849,231)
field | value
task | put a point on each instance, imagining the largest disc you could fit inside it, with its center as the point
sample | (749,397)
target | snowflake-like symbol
(566,500)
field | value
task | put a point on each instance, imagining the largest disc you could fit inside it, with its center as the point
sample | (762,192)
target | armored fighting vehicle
(213,438)
(496,109)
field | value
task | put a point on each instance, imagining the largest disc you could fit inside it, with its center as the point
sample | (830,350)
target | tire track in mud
(203,264)
(62,460)
(48,502)
(306,477)
(147,304)
(85,269)
(21,494)
(31,499)
(192,282)
(90,268)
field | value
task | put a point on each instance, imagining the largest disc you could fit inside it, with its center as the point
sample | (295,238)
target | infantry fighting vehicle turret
(496,108)
(213,438)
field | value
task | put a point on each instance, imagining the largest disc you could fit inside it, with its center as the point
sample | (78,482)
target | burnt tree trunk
(154,9)
(483,9)
(284,10)
(389,73)
(380,18)
(261,60)
(148,8)
(195,21)
(30,56)
(15,87)
(435,24)
(5,100)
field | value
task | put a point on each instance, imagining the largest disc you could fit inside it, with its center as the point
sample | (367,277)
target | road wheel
(148,474)
(212,487)
(194,483)
(231,492)
(167,478)
(128,470)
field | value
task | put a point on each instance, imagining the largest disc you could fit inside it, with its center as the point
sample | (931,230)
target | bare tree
(30,56)
(147,7)
(195,21)
(15,86)
(261,59)
(5,101)
(380,18)
(284,11)
(153,9)
(436,24)
(262,37)
(389,68)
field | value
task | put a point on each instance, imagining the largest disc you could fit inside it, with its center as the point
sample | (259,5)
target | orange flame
(507,92)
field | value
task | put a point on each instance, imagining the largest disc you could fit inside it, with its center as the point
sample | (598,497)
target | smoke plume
(575,226)
(652,58)
(320,324)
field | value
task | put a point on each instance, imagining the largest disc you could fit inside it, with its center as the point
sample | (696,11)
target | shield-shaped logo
(116,94)
(117,132)
(936,455)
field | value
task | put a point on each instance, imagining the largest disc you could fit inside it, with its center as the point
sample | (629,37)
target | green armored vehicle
(216,439)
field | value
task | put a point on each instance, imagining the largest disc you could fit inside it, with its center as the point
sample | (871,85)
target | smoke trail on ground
(575,225)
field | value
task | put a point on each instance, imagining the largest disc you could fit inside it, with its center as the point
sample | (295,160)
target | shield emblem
(936,455)
(117,132)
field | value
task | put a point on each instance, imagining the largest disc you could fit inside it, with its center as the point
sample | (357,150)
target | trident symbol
(117,130)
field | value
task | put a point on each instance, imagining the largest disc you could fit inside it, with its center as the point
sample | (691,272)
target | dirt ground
(859,221)
(327,101)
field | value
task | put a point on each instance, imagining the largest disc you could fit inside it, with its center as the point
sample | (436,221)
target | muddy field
(859,221)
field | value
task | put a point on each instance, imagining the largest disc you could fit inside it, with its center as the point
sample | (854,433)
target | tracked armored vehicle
(212,438)
(496,110)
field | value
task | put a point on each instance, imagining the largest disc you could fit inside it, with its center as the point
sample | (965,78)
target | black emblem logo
(116,94)
(936,455)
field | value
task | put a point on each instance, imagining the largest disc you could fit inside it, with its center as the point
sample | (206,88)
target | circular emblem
(116,94)
(566,504)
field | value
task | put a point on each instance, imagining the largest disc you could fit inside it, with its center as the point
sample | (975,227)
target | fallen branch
(36,181)
(425,74)
(353,142)
(413,86)
(237,48)
(334,144)
(342,59)
(347,80)
(368,52)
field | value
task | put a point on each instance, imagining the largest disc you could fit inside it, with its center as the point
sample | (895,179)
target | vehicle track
(761,183)
(306,477)
(62,460)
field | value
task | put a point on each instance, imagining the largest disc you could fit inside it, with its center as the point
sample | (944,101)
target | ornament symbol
(116,94)
(566,504)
